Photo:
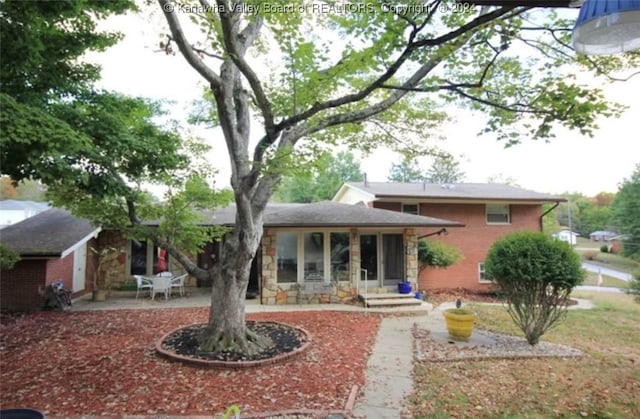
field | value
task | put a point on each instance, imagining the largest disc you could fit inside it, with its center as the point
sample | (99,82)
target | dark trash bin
(21,414)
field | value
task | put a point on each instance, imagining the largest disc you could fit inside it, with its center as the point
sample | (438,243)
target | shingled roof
(333,214)
(52,233)
(453,191)
(55,232)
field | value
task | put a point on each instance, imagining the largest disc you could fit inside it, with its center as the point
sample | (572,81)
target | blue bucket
(404,287)
(419,295)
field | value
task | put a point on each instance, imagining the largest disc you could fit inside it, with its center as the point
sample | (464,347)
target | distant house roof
(15,205)
(52,233)
(603,233)
(453,192)
(332,214)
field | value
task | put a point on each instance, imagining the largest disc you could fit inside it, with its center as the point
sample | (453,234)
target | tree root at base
(244,341)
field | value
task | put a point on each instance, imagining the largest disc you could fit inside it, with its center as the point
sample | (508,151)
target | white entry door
(79,267)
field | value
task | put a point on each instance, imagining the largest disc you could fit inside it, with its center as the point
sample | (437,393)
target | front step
(390,300)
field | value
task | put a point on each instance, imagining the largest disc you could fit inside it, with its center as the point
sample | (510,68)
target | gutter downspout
(547,212)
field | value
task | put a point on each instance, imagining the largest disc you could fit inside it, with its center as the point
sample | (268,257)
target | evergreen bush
(437,254)
(536,274)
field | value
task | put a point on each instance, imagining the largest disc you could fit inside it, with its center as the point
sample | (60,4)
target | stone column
(411,256)
(269,267)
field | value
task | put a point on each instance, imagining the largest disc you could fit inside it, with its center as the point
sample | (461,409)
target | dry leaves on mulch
(103,363)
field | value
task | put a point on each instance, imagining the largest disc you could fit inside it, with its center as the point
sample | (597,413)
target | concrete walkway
(389,378)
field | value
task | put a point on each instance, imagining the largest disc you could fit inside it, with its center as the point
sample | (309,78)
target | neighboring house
(310,253)
(13,211)
(601,235)
(616,243)
(488,211)
(52,246)
(567,236)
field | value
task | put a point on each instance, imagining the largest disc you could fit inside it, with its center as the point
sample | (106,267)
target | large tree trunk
(226,329)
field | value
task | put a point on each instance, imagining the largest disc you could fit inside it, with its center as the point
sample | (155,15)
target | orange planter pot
(459,323)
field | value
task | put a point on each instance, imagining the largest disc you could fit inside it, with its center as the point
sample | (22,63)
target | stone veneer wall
(308,293)
(411,256)
(115,267)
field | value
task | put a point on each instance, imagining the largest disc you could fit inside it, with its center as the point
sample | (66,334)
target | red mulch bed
(104,363)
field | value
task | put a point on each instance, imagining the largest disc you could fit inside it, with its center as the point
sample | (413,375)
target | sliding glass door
(382,258)
(393,258)
(369,257)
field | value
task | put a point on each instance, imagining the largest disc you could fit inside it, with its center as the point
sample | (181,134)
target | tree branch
(185,48)
(464,31)
(480,20)
(236,44)
(520,108)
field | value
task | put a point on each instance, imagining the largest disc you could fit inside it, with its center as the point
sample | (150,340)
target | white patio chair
(143,284)
(178,282)
(161,284)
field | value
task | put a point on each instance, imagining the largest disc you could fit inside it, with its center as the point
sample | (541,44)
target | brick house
(310,253)
(488,211)
(616,243)
(52,245)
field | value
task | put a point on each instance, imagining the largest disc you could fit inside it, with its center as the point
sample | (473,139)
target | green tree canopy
(407,170)
(323,180)
(93,149)
(585,214)
(444,168)
(626,213)
(43,41)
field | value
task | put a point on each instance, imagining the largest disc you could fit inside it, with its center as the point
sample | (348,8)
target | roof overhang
(338,215)
(464,200)
(79,243)
(60,255)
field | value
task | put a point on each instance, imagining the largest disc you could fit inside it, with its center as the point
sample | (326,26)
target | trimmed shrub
(590,254)
(536,274)
(604,248)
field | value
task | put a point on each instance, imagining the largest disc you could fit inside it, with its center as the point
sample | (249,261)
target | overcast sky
(570,162)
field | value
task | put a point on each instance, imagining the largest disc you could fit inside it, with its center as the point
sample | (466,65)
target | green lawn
(605,384)
(583,243)
(609,260)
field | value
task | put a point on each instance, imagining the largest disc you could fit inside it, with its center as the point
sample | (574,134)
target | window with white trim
(340,254)
(143,258)
(313,247)
(287,256)
(498,214)
(410,209)
(312,256)
(481,274)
